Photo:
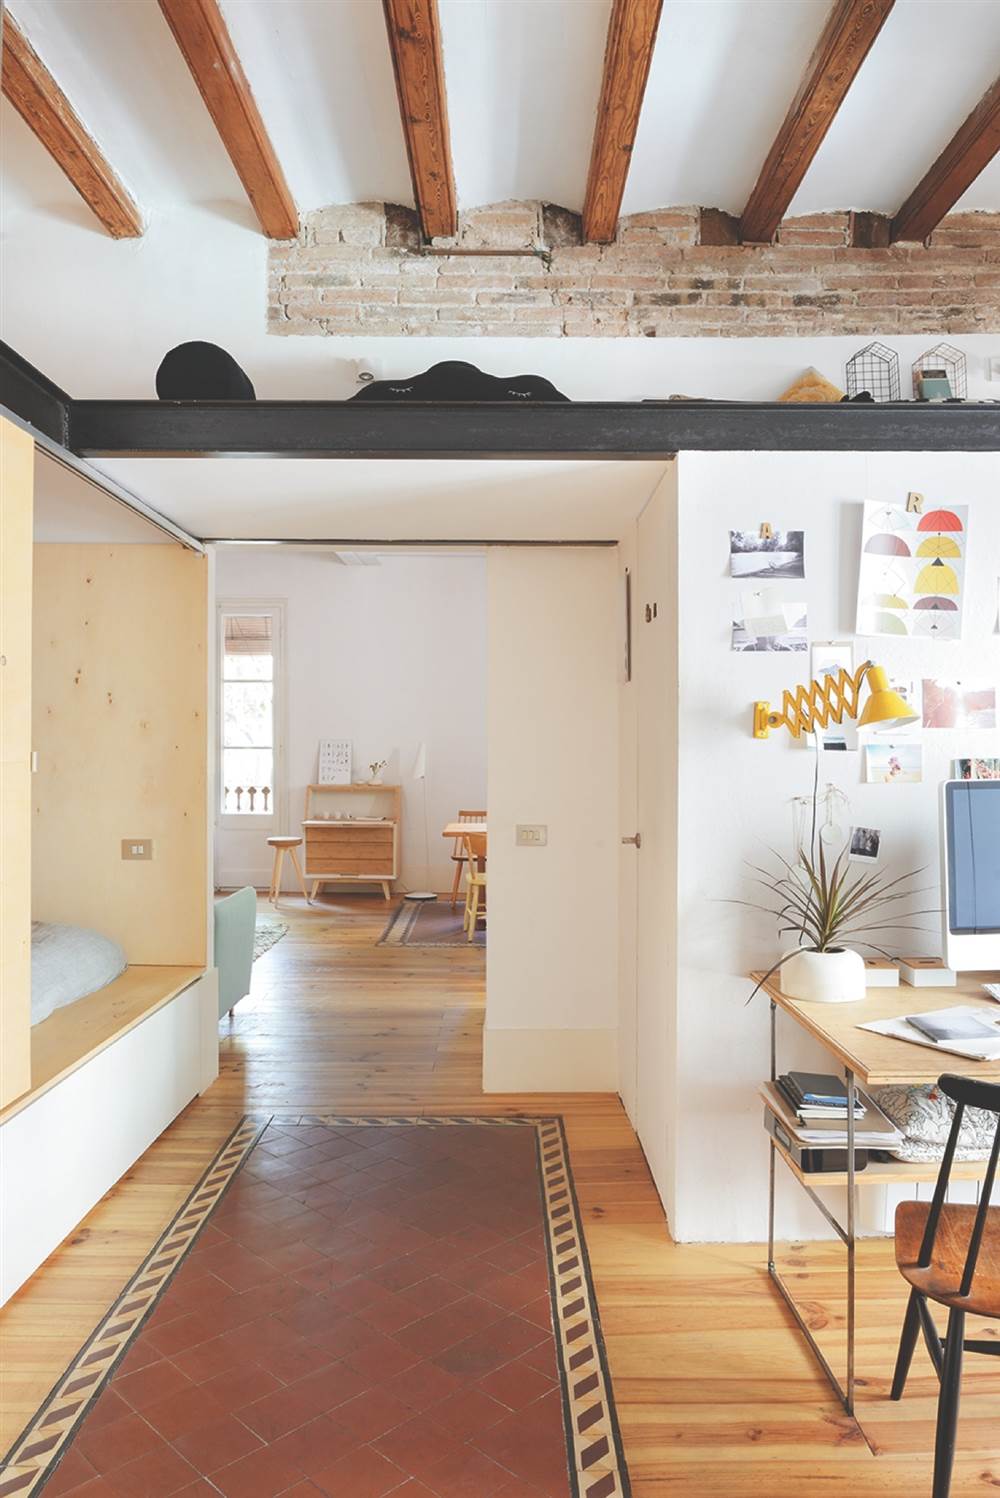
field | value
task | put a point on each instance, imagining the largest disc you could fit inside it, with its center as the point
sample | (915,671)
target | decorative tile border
(33,1456)
(593,1440)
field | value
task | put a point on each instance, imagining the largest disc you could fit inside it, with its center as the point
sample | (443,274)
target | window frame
(270,821)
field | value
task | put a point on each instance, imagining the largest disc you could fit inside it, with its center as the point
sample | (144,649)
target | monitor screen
(973,847)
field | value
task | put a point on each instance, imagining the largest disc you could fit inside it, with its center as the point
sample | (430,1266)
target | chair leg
(473,913)
(947,1417)
(455,883)
(298,869)
(907,1342)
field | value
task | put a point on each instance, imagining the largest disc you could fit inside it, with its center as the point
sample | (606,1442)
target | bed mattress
(68,963)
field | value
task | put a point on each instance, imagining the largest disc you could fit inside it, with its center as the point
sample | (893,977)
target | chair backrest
(475,851)
(965,1092)
(235,922)
(466,816)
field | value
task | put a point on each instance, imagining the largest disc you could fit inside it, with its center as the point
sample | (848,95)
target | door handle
(635,841)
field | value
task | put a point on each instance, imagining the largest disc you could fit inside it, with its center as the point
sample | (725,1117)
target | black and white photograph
(781,554)
(864,845)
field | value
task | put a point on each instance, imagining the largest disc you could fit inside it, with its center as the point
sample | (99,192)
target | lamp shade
(884,706)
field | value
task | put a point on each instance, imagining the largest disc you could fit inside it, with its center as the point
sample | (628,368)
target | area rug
(268,930)
(429,923)
(355,1303)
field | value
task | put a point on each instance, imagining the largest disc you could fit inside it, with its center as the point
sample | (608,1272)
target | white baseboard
(550,1060)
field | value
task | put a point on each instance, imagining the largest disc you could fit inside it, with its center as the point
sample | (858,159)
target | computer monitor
(970,873)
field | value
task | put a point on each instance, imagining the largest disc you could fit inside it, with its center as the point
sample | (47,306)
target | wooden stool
(281,846)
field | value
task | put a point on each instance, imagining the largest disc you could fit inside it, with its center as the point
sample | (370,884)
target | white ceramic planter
(823,977)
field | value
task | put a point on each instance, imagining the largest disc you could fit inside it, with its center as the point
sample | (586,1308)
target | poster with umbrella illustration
(912,571)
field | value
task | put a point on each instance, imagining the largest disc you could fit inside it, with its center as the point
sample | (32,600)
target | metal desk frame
(846,1234)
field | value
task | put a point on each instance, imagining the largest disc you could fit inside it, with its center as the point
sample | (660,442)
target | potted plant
(375,771)
(831,910)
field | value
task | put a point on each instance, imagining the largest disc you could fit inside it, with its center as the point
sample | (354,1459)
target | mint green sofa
(235,920)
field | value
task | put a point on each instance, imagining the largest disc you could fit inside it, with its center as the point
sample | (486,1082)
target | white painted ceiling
(523,78)
(69,509)
(382,500)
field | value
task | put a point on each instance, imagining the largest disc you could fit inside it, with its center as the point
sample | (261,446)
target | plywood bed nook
(108,1018)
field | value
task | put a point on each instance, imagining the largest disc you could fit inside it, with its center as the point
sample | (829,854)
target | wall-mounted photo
(894,764)
(864,845)
(958,704)
(976,768)
(780,554)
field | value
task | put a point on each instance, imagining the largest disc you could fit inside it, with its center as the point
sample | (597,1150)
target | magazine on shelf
(876,1132)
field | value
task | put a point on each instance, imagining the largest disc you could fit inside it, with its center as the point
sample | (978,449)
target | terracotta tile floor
(366,1313)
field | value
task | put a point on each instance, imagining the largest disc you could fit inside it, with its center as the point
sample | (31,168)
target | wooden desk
(874,1061)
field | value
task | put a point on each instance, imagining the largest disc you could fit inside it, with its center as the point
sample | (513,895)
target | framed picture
(334,762)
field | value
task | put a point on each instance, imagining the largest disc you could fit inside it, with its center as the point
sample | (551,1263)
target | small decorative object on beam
(239,798)
(265,792)
(946,362)
(875,370)
(252,793)
(454,380)
(199,371)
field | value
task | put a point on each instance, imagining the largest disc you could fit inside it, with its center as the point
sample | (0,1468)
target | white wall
(386,656)
(735,792)
(552,957)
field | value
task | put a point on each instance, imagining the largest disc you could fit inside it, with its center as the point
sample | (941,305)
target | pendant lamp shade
(939,520)
(937,577)
(938,546)
(946,604)
(886,545)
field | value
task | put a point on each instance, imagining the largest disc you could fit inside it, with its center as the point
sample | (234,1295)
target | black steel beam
(578,429)
(31,399)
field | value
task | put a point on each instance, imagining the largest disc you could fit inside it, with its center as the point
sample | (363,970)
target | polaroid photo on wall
(864,845)
(780,554)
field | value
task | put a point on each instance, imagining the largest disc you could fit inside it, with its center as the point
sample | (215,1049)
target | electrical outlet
(531,835)
(137,848)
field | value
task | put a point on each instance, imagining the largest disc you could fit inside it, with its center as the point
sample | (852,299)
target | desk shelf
(882,1173)
(351,835)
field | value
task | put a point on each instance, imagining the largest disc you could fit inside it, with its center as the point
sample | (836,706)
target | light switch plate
(137,848)
(531,834)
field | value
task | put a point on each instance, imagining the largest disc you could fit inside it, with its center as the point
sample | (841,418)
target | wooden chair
(281,846)
(458,852)
(475,881)
(950,1253)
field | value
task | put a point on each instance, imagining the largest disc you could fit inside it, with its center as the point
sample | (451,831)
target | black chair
(950,1254)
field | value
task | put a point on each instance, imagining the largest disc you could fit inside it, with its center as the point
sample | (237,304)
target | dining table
(462,829)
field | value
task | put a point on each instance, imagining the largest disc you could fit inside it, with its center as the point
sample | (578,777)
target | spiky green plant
(827,908)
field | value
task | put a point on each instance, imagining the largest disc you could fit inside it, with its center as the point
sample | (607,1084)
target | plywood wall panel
(17,452)
(120,727)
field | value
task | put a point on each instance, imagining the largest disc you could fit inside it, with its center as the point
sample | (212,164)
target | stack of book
(811,1109)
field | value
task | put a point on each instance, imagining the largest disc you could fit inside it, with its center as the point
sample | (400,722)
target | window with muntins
(247,715)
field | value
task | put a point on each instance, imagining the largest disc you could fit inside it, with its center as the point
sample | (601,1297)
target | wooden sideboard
(351,835)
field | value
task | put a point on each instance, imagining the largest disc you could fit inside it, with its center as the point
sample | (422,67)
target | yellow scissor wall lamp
(833,699)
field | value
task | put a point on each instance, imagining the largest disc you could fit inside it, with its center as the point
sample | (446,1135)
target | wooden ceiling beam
(203,37)
(847,38)
(414,32)
(627,57)
(972,148)
(49,115)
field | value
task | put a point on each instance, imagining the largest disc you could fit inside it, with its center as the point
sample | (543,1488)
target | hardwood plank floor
(716,1392)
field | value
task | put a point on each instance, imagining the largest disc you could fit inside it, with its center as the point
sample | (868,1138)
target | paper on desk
(973,1050)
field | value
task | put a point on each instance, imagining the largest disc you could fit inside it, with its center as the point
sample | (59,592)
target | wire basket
(949,358)
(874,368)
